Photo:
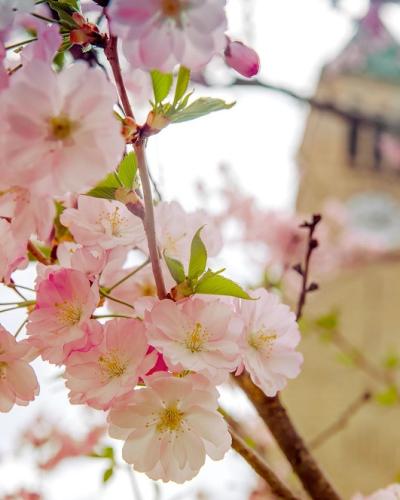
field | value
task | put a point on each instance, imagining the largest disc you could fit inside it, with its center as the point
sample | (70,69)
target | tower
(344,159)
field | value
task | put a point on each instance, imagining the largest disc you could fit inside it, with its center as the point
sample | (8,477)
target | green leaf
(107,474)
(328,321)
(127,170)
(198,256)
(108,452)
(388,397)
(391,361)
(103,192)
(182,83)
(162,83)
(198,108)
(215,284)
(175,268)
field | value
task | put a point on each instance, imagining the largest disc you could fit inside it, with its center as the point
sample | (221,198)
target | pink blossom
(158,34)
(88,260)
(195,335)
(18,382)
(170,426)
(107,223)
(175,229)
(12,252)
(46,46)
(65,301)
(59,133)
(241,58)
(270,336)
(112,368)
(392,492)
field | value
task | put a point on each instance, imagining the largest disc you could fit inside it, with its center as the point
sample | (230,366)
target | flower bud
(242,59)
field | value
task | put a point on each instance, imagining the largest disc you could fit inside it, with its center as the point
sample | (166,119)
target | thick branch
(259,465)
(276,418)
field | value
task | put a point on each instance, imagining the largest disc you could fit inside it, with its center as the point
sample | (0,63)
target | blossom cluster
(152,361)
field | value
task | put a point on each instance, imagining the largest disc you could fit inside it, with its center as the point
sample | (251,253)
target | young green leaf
(182,83)
(199,108)
(127,170)
(103,192)
(107,474)
(215,284)
(175,268)
(162,83)
(198,256)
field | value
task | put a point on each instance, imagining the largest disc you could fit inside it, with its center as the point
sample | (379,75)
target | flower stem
(114,299)
(39,256)
(139,268)
(20,44)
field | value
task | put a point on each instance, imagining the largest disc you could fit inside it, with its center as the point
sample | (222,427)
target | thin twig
(261,467)
(20,44)
(21,326)
(282,428)
(312,244)
(114,299)
(139,268)
(39,256)
(341,422)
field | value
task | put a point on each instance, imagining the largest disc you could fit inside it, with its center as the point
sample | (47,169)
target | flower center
(69,313)
(112,365)
(196,339)
(170,419)
(262,339)
(3,370)
(171,8)
(115,220)
(61,127)
(148,290)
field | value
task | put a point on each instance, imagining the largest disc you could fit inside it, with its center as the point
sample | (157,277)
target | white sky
(258,138)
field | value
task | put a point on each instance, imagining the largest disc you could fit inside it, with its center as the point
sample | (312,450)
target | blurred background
(317,131)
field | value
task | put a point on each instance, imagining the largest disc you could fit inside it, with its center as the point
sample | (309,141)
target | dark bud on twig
(313,244)
(298,269)
(102,3)
(316,219)
(312,287)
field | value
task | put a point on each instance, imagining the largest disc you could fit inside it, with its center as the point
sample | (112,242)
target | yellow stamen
(61,127)
(69,313)
(262,339)
(170,419)
(196,339)
(3,370)
(112,365)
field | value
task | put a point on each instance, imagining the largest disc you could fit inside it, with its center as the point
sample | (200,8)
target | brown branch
(341,422)
(312,244)
(276,418)
(149,224)
(261,467)
(325,106)
(39,256)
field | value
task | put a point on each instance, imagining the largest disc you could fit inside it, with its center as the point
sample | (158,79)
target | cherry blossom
(195,335)
(112,368)
(241,58)
(55,125)
(170,426)
(159,34)
(18,382)
(89,260)
(46,46)
(392,492)
(107,223)
(65,301)
(270,336)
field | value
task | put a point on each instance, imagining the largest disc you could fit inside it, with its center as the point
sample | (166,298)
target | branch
(312,244)
(276,418)
(325,106)
(341,422)
(39,256)
(259,465)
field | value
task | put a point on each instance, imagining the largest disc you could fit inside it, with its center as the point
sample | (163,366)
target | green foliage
(162,83)
(108,474)
(388,397)
(64,10)
(176,269)
(198,257)
(215,284)
(182,84)
(391,361)
(328,321)
(201,107)
(123,177)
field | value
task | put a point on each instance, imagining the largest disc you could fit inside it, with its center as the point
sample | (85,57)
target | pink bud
(241,58)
